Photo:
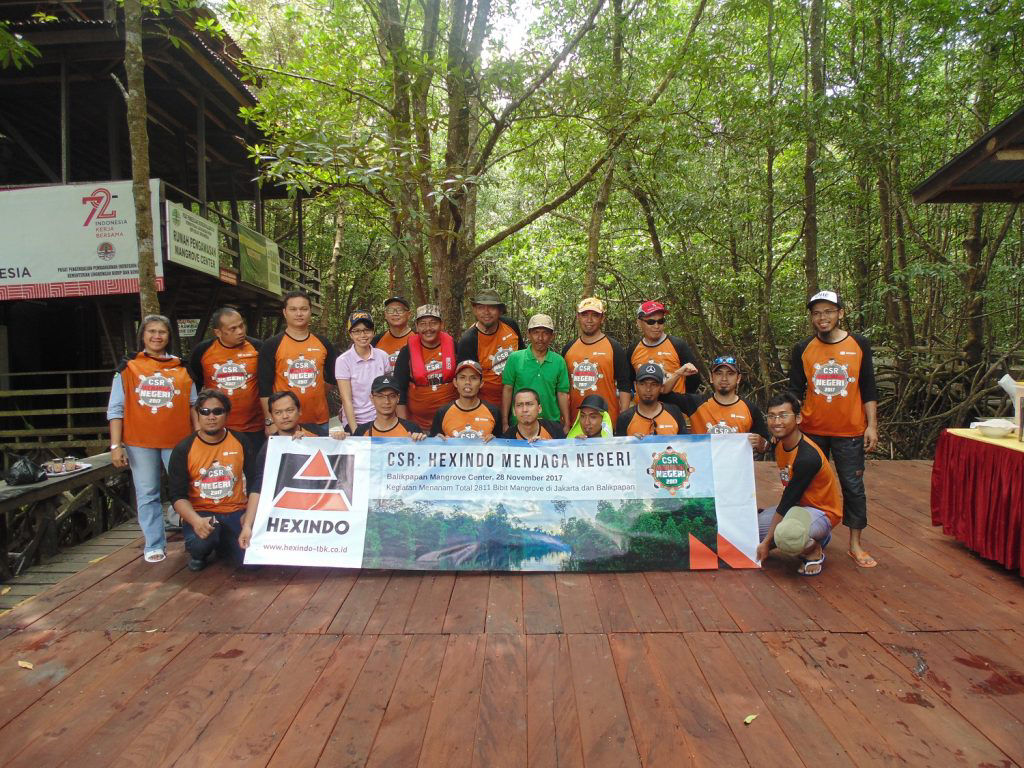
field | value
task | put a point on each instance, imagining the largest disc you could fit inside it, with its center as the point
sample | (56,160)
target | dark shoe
(196,565)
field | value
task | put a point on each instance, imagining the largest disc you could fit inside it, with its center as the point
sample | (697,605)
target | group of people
(206,420)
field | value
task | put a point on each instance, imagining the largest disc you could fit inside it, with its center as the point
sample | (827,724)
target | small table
(978,494)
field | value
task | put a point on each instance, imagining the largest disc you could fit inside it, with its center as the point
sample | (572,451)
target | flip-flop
(820,562)
(154,556)
(864,561)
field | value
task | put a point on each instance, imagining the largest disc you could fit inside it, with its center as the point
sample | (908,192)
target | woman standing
(149,413)
(355,370)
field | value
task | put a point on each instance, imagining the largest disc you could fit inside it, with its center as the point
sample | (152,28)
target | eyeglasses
(778,416)
(727,360)
(820,313)
(655,322)
(395,311)
(218,411)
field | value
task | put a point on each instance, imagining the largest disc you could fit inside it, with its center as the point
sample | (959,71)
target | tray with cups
(69,465)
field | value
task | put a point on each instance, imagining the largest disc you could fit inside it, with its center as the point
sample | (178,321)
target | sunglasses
(655,322)
(218,411)
(727,360)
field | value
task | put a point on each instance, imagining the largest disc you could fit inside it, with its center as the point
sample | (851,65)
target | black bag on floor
(24,471)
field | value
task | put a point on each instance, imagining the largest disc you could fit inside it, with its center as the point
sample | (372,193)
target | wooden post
(258,203)
(65,126)
(201,151)
(114,118)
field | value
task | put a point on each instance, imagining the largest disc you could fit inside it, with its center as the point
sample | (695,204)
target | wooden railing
(51,413)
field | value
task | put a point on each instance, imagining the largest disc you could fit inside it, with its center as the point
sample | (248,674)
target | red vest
(418,369)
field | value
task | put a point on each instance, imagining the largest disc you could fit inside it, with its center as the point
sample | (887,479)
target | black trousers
(848,455)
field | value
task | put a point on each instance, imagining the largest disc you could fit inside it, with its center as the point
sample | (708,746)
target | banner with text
(559,505)
(73,240)
(260,260)
(192,240)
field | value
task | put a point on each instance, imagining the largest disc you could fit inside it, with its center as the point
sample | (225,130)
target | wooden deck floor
(917,662)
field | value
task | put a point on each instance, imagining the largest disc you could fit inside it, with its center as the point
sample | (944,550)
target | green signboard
(260,260)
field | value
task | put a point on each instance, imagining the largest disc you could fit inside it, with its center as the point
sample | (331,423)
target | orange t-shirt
(596,368)
(549,430)
(232,370)
(492,350)
(156,402)
(423,402)
(666,355)
(710,417)
(299,366)
(808,480)
(214,477)
(834,380)
(454,421)
(668,421)
(392,345)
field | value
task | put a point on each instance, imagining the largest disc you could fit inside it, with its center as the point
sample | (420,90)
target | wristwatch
(268,422)
(114,446)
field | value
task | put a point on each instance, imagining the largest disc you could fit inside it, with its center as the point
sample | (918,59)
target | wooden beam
(65,125)
(1010,155)
(13,132)
(201,151)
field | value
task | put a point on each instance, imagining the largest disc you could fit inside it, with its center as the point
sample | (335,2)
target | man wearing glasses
(670,353)
(723,411)
(211,477)
(391,341)
(832,371)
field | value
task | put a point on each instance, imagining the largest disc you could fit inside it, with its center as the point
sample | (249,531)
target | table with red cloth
(978,494)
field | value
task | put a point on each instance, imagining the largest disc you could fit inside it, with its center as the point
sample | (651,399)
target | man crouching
(210,479)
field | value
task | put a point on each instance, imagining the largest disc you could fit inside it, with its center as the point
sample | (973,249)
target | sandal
(155,556)
(864,560)
(817,565)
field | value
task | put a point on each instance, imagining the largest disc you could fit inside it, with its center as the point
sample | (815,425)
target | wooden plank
(796,714)
(55,655)
(712,616)
(235,670)
(400,736)
(451,729)
(309,731)
(552,724)
(99,690)
(318,613)
(505,604)
(392,610)
(998,665)
(659,737)
(501,727)
(577,604)
(604,722)
(356,729)
(967,682)
(360,603)
(764,743)
(104,745)
(673,603)
(428,611)
(784,612)
(191,593)
(467,608)
(734,593)
(272,713)
(802,593)
(642,603)
(611,603)
(285,608)
(540,604)
(238,601)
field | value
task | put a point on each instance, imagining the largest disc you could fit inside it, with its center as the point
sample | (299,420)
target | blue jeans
(145,465)
(224,538)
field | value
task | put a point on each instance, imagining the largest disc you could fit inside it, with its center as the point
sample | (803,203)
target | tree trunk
(331,303)
(138,138)
(815,102)
(892,310)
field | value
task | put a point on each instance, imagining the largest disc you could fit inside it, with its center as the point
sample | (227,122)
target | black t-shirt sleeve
(510,433)
(685,355)
(376,338)
(248,466)
(496,413)
(265,365)
(689,403)
(178,480)
(622,423)
(411,426)
(676,414)
(362,429)
(332,356)
(797,377)
(806,465)
(195,363)
(515,327)
(557,433)
(868,390)
(256,343)
(467,348)
(436,424)
(623,375)
(759,426)
(566,348)
(402,374)
(629,361)
(258,465)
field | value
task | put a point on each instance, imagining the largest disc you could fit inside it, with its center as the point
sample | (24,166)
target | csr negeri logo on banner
(312,506)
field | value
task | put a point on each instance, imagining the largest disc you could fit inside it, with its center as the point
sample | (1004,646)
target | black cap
(650,371)
(594,401)
(387,381)
(400,300)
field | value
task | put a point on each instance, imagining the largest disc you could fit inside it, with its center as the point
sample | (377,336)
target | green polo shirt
(550,375)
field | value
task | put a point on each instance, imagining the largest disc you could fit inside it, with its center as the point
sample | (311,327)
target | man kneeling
(801,524)
(211,477)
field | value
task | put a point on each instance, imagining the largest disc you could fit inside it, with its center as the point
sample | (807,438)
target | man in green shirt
(538,368)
